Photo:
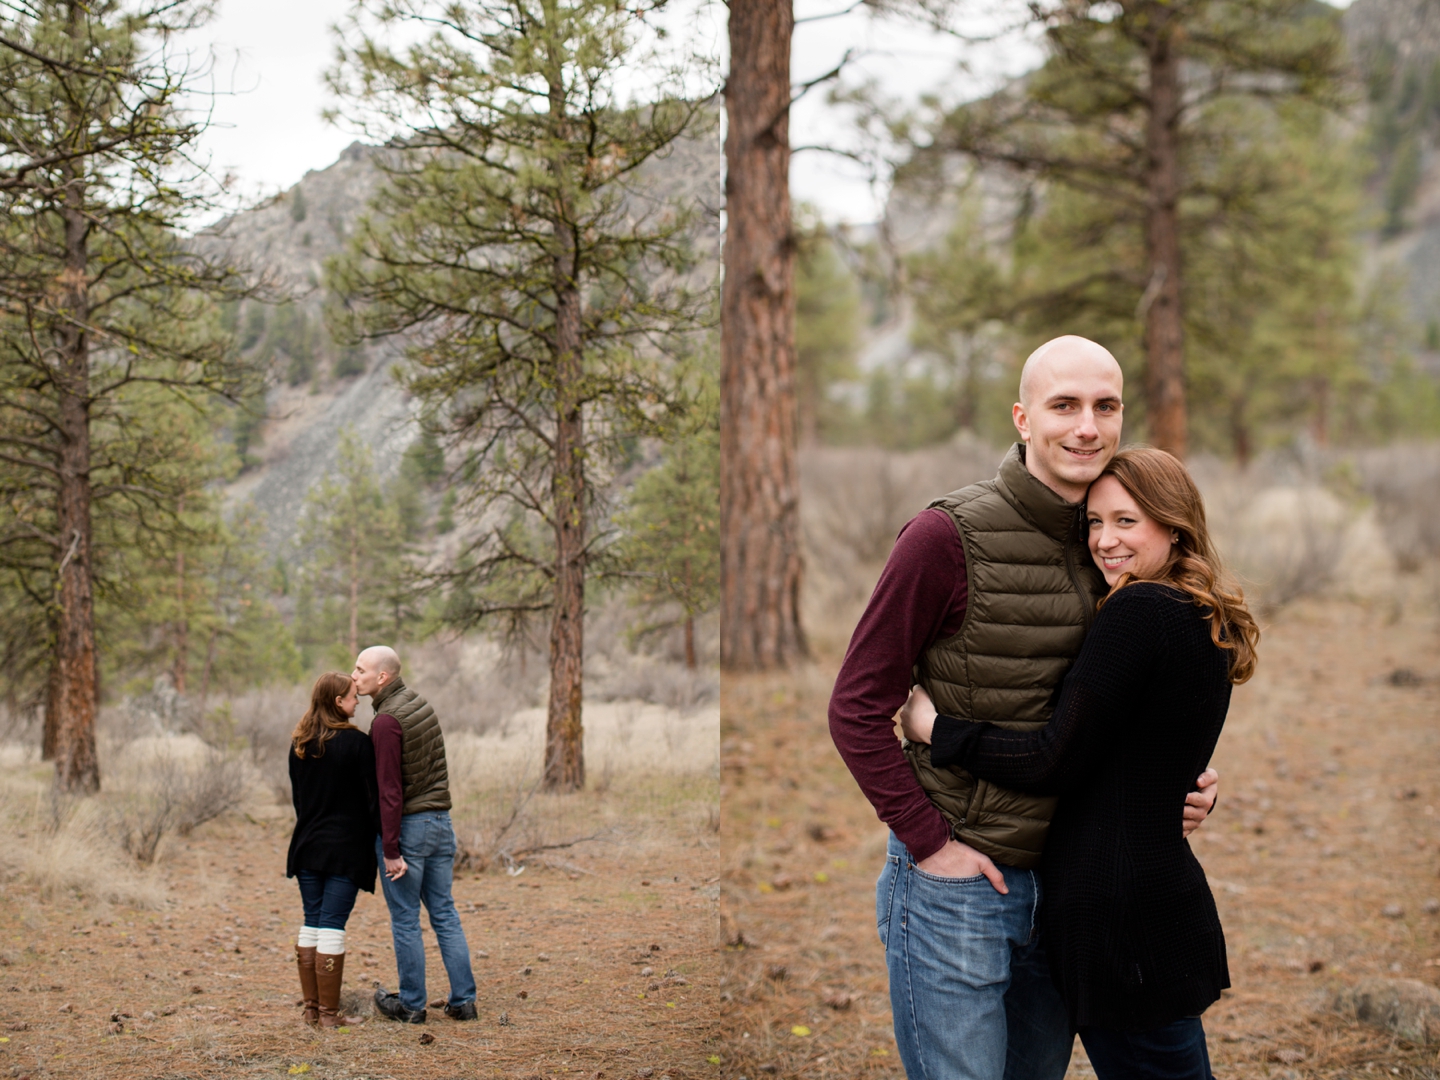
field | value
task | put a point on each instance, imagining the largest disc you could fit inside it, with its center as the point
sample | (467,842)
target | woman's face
(349,701)
(1123,540)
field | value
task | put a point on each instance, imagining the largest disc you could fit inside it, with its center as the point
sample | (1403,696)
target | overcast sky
(269,57)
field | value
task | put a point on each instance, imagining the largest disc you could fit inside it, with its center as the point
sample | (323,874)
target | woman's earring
(1174,538)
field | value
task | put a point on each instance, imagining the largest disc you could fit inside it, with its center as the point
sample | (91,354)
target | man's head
(1069,413)
(375,669)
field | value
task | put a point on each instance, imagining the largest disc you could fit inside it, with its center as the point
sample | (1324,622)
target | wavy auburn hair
(324,718)
(1162,487)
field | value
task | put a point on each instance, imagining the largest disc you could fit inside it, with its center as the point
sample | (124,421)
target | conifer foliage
(1134,115)
(105,319)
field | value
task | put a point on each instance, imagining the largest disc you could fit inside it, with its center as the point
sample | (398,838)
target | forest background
(322,473)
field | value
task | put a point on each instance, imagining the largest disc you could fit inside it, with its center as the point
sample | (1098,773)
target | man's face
(368,678)
(1071,422)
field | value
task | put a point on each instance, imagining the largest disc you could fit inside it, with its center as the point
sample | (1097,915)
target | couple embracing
(366,799)
(1061,645)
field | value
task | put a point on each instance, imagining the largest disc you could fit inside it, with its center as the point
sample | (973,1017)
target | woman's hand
(1199,803)
(917,716)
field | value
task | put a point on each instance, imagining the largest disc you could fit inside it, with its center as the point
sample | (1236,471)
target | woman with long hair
(332,851)
(1128,922)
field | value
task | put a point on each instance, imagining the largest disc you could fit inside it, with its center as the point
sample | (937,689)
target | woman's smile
(1123,538)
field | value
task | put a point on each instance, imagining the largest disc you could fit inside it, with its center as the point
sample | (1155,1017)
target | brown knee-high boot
(305,961)
(329,973)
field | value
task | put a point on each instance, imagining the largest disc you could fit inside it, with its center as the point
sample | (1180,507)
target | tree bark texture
(1164,329)
(564,730)
(759,479)
(74,691)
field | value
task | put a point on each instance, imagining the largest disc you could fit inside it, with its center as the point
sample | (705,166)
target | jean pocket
(885,896)
(937,879)
(443,837)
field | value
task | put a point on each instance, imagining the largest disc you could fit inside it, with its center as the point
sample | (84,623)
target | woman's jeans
(970,987)
(1173,1052)
(427,842)
(328,899)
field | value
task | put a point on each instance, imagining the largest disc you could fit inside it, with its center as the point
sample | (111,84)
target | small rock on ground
(1407,1007)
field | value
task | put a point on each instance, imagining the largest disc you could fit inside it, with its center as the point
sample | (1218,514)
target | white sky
(269,57)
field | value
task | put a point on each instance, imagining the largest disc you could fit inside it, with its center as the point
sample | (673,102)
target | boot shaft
(329,974)
(309,990)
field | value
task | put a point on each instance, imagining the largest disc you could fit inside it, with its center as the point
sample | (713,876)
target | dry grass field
(596,959)
(1323,856)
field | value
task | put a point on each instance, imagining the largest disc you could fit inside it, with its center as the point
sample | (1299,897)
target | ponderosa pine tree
(672,530)
(540,264)
(354,545)
(760,478)
(104,313)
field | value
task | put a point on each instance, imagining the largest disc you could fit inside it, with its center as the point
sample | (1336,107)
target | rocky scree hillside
(289,442)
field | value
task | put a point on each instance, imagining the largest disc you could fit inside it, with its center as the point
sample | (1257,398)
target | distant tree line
(1274,327)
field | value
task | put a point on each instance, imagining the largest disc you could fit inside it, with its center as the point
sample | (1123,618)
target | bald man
(984,601)
(416,841)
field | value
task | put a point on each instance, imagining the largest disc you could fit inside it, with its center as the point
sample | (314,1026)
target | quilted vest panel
(1032,590)
(425,779)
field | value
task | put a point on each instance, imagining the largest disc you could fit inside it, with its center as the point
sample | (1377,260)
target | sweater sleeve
(294,764)
(386,737)
(920,597)
(1114,664)
(372,784)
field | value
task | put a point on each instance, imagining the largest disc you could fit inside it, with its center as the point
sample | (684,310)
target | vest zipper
(1074,572)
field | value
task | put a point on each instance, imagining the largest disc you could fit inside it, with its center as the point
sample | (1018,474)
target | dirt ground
(602,965)
(1322,855)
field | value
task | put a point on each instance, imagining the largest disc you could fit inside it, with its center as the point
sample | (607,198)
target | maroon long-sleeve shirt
(919,600)
(385,734)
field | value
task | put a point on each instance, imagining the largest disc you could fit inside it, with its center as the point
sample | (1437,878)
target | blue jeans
(328,899)
(970,988)
(427,841)
(1173,1051)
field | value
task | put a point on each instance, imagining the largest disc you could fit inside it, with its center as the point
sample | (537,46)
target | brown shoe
(305,961)
(329,972)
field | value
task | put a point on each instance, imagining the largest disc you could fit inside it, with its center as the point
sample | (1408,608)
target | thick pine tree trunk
(74,691)
(564,731)
(1164,328)
(759,481)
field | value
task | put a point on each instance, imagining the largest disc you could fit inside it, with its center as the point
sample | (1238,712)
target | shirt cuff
(947,741)
(923,834)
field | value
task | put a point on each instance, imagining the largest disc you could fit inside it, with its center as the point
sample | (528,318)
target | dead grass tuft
(69,847)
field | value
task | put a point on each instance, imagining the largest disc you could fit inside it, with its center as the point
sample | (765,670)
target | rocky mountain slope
(320,388)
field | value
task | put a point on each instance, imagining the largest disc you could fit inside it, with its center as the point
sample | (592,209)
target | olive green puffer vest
(424,778)
(1032,589)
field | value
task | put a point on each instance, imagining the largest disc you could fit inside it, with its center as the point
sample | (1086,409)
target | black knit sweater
(336,809)
(1130,926)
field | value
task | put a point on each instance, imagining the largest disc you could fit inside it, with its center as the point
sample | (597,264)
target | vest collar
(393,685)
(1040,506)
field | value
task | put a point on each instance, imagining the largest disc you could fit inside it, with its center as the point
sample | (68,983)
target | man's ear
(1022,422)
